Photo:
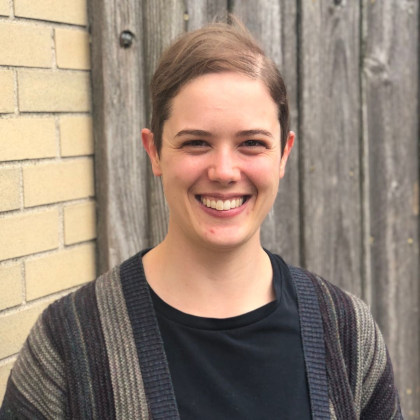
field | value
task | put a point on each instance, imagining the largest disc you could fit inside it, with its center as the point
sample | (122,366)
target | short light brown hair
(215,48)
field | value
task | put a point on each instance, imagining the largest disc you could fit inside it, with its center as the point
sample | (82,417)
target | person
(209,324)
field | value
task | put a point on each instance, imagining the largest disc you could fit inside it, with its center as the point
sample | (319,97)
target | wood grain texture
(201,12)
(390,90)
(329,132)
(273,23)
(119,114)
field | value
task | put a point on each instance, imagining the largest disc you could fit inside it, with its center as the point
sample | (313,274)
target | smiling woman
(208,324)
(217,147)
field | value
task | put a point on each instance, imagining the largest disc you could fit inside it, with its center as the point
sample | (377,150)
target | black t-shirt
(249,366)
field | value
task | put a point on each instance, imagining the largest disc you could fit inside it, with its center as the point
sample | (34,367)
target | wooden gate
(348,207)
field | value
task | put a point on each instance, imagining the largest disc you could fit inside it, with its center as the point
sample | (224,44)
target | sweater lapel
(153,363)
(312,334)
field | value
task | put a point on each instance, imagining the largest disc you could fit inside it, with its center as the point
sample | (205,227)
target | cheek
(264,174)
(183,171)
(179,177)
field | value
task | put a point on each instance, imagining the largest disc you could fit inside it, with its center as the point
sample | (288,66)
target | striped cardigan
(98,354)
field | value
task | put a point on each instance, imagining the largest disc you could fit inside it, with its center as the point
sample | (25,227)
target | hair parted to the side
(215,48)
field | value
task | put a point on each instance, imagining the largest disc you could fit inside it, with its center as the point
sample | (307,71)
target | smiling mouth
(222,205)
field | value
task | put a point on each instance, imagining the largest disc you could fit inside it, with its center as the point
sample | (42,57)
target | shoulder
(81,303)
(356,354)
(337,306)
(65,347)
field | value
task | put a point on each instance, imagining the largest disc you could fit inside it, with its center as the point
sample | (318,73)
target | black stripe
(16,407)
(384,398)
(88,317)
(347,323)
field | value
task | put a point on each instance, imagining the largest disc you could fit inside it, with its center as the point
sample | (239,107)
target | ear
(286,152)
(149,144)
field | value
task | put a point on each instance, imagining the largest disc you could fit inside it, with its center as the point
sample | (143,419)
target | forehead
(217,97)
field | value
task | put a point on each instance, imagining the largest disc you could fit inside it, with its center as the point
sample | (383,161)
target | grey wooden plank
(201,12)
(329,132)
(118,113)
(273,23)
(391,129)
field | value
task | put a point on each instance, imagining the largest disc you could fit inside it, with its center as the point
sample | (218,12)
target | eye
(253,147)
(254,143)
(195,146)
(195,143)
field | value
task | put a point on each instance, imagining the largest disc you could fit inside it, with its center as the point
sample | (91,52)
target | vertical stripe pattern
(127,382)
(98,354)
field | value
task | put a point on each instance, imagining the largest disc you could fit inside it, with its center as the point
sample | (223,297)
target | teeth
(222,205)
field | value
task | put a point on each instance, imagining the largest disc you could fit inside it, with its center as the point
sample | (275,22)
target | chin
(227,240)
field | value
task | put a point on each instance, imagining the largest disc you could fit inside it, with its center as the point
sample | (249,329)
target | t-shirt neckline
(239,321)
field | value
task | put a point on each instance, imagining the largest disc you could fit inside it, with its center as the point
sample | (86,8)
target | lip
(223,197)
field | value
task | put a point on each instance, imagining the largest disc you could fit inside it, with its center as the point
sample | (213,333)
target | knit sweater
(98,354)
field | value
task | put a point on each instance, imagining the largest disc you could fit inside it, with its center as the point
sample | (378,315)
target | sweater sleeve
(36,386)
(378,394)
(360,375)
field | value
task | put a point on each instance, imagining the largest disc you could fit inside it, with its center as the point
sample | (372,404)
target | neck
(210,282)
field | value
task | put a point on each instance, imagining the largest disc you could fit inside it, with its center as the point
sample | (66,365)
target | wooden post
(119,113)
(329,131)
(390,119)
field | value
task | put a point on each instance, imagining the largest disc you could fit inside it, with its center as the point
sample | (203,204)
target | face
(220,160)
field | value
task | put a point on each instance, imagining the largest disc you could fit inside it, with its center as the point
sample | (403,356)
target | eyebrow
(243,133)
(198,133)
(254,132)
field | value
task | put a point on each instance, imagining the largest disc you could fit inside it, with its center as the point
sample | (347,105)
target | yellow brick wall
(47,207)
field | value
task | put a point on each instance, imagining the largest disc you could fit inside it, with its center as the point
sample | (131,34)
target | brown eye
(253,143)
(195,143)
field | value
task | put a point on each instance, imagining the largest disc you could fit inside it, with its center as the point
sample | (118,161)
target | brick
(4,376)
(67,11)
(28,233)
(27,138)
(25,45)
(7,91)
(4,8)
(14,329)
(76,136)
(79,223)
(48,91)
(60,271)
(72,49)
(9,189)
(55,182)
(10,286)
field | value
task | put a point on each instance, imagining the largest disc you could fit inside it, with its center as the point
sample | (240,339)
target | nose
(224,167)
